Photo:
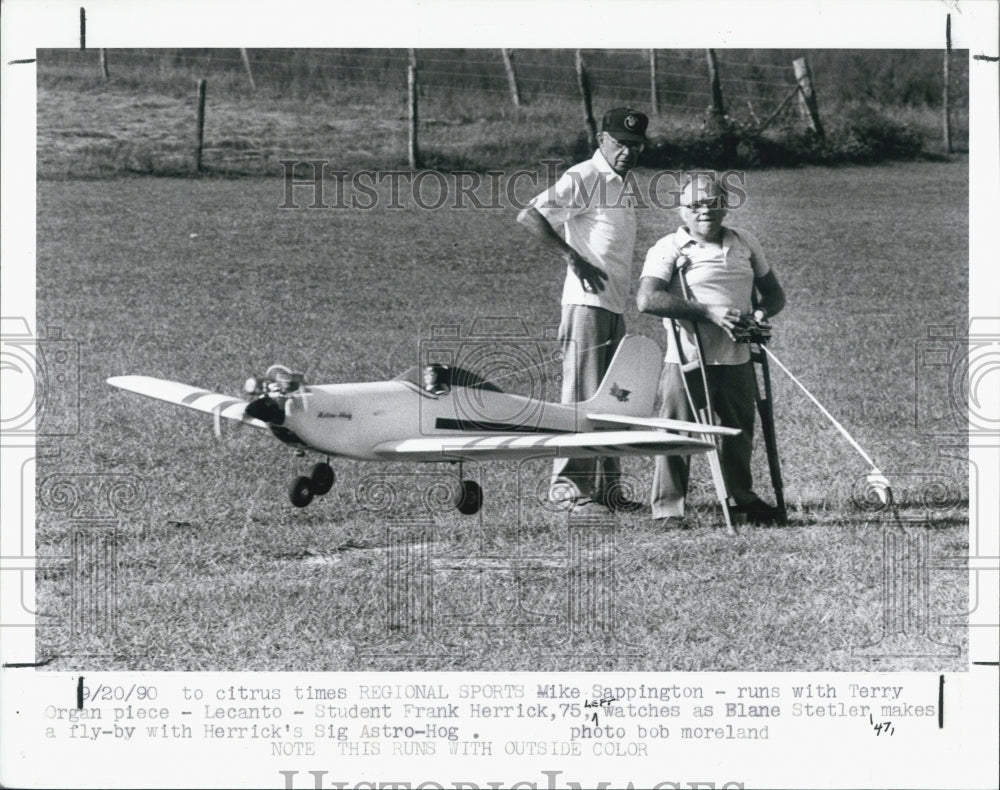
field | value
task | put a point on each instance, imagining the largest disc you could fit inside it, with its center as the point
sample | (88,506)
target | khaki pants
(589,337)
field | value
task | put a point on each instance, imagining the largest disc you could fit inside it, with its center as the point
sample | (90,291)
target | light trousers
(733,393)
(589,337)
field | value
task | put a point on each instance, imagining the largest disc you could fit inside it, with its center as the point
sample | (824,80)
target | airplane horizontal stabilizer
(660,422)
(184,395)
(501,447)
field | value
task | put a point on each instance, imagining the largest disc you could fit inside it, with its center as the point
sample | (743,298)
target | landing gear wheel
(322,478)
(301,491)
(470,498)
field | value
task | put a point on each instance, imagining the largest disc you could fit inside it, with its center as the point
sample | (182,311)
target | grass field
(207,281)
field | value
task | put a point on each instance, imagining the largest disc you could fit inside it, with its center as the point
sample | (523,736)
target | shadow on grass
(906,514)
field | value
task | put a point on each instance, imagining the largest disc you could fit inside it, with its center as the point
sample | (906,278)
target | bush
(858,133)
(864,133)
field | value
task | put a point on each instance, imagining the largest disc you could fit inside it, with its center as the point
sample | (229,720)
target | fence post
(653,101)
(718,123)
(246,65)
(83,28)
(946,98)
(201,124)
(807,96)
(508,64)
(583,80)
(411,86)
(718,108)
(104,63)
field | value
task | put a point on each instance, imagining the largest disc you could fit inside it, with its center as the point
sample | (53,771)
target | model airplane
(442,414)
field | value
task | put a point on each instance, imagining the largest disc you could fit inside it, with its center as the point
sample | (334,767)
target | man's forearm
(665,305)
(540,228)
(772,295)
(772,304)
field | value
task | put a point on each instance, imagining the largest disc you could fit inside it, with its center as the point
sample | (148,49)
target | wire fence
(463,86)
(892,77)
(622,75)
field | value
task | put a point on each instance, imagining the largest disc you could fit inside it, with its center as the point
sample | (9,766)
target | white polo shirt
(598,221)
(719,274)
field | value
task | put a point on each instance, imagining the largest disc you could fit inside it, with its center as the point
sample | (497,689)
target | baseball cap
(625,124)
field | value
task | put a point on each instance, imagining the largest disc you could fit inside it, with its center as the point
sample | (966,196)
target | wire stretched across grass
(876,479)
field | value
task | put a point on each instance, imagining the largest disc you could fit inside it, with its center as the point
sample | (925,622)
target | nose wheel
(318,482)
(469,497)
(322,477)
(301,491)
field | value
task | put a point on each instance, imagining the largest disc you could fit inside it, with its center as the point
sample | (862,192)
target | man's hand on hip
(591,277)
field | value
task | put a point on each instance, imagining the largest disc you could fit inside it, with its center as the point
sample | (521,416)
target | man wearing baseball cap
(586,223)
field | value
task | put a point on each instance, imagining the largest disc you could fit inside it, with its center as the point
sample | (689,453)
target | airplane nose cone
(266,409)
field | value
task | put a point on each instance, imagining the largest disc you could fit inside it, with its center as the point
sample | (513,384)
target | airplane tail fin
(629,386)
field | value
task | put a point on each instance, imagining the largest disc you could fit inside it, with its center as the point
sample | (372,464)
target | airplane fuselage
(351,420)
(442,413)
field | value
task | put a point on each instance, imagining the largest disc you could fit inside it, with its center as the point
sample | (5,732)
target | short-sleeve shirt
(719,274)
(595,212)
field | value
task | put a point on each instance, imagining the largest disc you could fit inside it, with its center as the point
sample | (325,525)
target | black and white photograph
(404,406)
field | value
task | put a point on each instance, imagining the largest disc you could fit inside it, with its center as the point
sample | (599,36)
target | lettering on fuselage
(329,415)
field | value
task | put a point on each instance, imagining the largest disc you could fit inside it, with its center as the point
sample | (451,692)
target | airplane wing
(500,447)
(660,422)
(184,395)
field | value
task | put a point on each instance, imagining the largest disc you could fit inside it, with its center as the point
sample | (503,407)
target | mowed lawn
(207,282)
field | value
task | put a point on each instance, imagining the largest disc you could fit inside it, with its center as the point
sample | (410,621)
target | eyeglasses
(634,146)
(716,204)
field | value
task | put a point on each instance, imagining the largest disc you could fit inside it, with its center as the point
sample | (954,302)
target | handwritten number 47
(882,727)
